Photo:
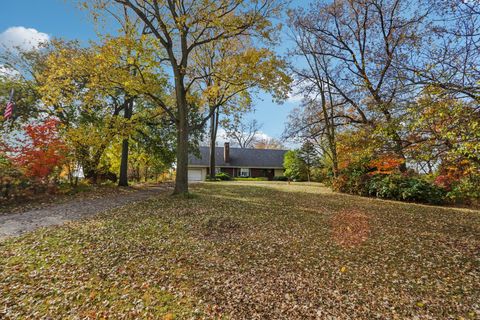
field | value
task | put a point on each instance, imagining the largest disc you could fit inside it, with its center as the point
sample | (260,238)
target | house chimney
(226,152)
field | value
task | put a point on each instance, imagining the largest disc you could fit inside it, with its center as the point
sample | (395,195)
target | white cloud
(24,38)
(8,72)
(262,136)
(295,98)
(221,137)
(298,97)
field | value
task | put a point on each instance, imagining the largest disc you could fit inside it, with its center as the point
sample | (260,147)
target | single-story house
(237,162)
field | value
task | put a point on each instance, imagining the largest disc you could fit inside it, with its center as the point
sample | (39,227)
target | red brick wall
(257,173)
(268,173)
(254,172)
(228,170)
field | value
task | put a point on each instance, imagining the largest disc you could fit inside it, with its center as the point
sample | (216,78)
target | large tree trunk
(123,179)
(332,134)
(328,114)
(213,141)
(181,178)
(333,149)
(212,147)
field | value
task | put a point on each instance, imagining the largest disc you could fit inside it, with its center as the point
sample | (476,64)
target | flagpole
(11,95)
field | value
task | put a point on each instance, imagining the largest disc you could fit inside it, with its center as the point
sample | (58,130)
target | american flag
(9,108)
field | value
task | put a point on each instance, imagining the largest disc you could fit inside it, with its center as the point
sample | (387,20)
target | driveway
(18,223)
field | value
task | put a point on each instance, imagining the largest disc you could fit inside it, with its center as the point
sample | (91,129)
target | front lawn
(250,250)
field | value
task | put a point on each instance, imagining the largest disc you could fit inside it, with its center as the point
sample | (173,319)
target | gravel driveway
(55,214)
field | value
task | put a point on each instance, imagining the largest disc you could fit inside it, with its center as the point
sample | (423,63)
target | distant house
(237,162)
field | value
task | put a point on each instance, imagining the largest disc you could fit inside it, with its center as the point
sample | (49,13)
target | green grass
(246,250)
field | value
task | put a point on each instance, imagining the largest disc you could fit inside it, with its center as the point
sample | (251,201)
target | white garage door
(194,174)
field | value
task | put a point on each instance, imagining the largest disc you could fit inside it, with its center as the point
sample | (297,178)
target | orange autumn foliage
(385,165)
(451,173)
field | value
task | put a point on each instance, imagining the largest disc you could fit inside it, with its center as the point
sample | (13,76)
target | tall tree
(317,122)
(309,156)
(182,28)
(90,87)
(20,67)
(295,168)
(230,73)
(243,133)
(268,143)
(446,129)
(449,55)
(353,47)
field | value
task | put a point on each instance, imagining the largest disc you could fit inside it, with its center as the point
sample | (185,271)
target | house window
(217,170)
(244,172)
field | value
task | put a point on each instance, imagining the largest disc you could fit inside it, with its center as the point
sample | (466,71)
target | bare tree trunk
(123,179)
(181,178)
(213,141)
(212,147)
(332,142)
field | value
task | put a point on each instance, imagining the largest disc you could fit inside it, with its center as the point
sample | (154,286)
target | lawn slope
(249,250)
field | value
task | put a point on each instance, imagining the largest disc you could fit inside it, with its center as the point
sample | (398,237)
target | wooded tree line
(143,96)
(389,87)
(79,95)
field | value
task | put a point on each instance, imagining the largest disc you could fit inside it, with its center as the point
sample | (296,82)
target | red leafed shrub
(452,173)
(445,181)
(41,151)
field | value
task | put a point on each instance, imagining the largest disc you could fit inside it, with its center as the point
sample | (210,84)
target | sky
(25,22)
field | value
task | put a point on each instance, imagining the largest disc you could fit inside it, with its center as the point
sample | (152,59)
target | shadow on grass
(251,250)
(274,200)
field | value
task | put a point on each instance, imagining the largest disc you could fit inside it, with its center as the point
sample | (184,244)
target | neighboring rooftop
(240,157)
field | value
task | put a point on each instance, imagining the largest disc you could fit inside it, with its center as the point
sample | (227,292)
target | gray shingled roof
(249,158)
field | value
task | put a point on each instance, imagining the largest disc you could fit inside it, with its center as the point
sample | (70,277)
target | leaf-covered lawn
(250,250)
